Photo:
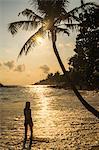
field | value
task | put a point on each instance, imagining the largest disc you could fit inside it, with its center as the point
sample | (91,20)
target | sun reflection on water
(44,101)
(45,117)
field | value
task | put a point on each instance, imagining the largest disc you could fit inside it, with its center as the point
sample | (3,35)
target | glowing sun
(39,39)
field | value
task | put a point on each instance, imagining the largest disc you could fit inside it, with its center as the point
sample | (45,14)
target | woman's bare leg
(31,130)
(26,129)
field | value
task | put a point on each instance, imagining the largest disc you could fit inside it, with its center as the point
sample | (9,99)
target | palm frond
(26,25)
(30,15)
(77,11)
(83,6)
(69,16)
(82,2)
(32,41)
(72,26)
(69,25)
(58,30)
(86,5)
(75,18)
(50,7)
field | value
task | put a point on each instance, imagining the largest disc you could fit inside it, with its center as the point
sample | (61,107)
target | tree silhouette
(87,51)
(52,20)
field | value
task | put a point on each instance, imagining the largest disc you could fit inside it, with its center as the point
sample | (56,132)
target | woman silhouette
(28,120)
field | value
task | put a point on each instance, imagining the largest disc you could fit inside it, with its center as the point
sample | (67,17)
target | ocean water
(60,121)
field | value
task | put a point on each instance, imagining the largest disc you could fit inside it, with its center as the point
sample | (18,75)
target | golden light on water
(43,101)
(45,112)
(44,105)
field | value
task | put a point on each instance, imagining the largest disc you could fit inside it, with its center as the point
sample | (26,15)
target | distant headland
(57,80)
(8,86)
(1,85)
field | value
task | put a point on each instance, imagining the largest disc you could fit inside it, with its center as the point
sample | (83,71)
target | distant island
(8,86)
(57,80)
(1,85)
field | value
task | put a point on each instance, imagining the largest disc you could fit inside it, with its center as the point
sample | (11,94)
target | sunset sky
(41,60)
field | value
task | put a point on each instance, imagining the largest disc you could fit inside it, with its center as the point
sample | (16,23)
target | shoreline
(61,86)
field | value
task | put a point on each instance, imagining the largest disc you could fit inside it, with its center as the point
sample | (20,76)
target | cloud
(13,66)
(9,64)
(45,69)
(20,68)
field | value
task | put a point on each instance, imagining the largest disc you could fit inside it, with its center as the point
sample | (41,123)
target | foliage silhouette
(52,20)
(86,59)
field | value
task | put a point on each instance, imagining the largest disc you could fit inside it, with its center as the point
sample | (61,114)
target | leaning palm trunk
(87,106)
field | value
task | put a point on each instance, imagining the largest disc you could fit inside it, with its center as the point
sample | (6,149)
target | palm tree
(52,20)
